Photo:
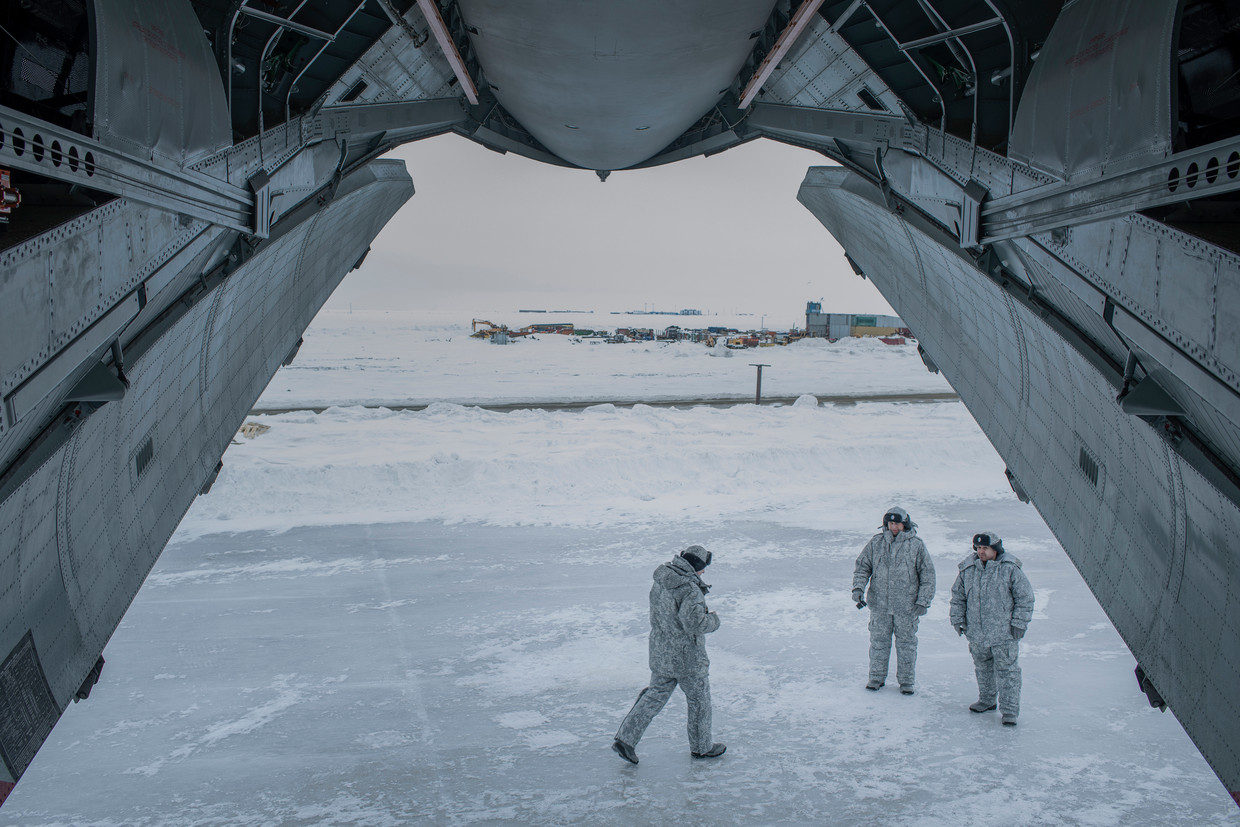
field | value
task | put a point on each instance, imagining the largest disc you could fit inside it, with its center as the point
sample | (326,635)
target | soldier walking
(900,574)
(679,623)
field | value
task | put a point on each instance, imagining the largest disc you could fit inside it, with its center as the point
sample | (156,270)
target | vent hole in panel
(142,458)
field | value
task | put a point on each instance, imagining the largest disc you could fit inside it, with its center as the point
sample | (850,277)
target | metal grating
(27,710)
(143,456)
(1089,466)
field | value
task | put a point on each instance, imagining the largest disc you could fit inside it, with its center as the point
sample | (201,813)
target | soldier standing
(900,574)
(992,604)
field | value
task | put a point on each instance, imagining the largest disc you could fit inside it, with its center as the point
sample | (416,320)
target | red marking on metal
(431,12)
(787,39)
(1089,107)
(167,99)
(6,787)
(1099,45)
(1236,797)
(154,37)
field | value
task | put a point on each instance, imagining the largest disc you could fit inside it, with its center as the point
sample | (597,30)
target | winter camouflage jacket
(899,570)
(989,599)
(679,621)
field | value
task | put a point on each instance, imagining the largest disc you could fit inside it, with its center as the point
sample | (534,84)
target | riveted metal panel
(1099,96)
(78,536)
(822,70)
(396,68)
(25,296)
(965,162)
(1176,284)
(193,258)
(71,362)
(1186,291)
(927,186)
(1071,295)
(158,91)
(55,285)
(1158,551)
(1226,307)
(1190,366)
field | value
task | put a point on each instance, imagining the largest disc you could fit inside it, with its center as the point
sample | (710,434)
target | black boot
(624,751)
(714,752)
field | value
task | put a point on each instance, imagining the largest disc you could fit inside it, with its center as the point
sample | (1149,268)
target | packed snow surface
(439,616)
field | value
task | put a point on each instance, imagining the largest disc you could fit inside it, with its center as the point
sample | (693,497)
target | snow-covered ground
(395,358)
(439,616)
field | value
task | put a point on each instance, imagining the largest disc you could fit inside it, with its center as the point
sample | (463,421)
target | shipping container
(564,327)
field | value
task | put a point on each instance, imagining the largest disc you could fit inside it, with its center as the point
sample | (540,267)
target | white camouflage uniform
(990,600)
(901,581)
(679,623)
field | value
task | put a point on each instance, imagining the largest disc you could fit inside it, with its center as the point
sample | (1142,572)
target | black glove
(921,610)
(856,596)
(1017,633)
(960,629)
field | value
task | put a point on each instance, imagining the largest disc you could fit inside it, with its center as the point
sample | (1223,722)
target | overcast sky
(722,234)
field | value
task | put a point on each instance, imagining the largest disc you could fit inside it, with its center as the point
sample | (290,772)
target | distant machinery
(842,325)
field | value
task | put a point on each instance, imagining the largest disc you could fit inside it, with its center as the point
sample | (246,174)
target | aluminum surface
(1151,536)
(1099,95)
(106,515)
(64,155)
(158,91)
(606,86)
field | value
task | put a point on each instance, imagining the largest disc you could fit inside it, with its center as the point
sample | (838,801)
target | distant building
(841,325)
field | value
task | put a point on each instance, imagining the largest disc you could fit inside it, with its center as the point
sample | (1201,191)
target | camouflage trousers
(655,696)
(883,626)
(998,672)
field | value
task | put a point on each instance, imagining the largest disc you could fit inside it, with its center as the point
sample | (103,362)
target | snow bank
(804,465)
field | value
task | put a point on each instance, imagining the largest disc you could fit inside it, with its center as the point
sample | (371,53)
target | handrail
(1007,28)
(938,95)
(262,59)
(935,17)
(289,94)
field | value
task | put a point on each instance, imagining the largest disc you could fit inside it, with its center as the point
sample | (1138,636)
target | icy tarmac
(465,674)
(440,616)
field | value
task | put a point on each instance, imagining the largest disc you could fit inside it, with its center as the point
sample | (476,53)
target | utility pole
(757,396)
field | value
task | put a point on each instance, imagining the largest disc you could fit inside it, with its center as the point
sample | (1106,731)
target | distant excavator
(485,330)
